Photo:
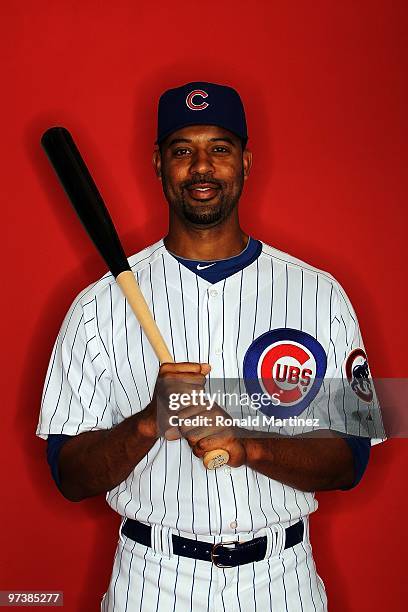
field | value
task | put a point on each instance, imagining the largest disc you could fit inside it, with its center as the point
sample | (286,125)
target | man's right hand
(173,378)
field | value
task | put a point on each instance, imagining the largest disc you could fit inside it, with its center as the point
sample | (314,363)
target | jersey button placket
(215,340)
(215,333)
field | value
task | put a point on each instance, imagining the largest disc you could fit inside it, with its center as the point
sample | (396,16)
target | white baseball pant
(146,579)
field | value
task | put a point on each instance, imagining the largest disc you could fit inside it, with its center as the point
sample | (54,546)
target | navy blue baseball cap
(201,103)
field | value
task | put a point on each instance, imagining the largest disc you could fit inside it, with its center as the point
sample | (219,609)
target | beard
(205,214)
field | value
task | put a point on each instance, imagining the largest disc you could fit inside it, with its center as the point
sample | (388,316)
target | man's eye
(221,149)
(181,152)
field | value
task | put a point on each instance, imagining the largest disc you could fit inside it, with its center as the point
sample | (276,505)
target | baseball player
(231,308)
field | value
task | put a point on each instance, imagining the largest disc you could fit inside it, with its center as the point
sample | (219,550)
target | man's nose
(201,163)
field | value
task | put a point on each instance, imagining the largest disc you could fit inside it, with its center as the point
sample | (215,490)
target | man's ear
(156,160)
(247,162)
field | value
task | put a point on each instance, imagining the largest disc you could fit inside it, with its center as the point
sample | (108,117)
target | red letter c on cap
(191,104)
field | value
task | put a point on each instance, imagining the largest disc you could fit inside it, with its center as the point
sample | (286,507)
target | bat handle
(127,282)
(215,458)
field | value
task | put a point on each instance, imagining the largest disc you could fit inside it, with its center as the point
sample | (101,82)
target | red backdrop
(324,84)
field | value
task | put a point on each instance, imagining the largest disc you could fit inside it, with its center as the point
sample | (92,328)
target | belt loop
(305,520)
(120,530)
(270,542)
(275,540)
(280,540)
(161,540)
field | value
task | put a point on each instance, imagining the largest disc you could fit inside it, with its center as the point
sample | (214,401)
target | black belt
(221,554)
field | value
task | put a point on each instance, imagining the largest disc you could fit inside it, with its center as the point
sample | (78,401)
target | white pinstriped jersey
(102,370)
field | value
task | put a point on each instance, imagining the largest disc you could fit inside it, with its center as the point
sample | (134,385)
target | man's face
(202,169)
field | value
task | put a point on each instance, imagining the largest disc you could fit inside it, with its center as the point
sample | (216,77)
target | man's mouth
(203,191)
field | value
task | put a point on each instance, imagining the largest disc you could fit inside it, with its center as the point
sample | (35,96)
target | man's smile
(203,191)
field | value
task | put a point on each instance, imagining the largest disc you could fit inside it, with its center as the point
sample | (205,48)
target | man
(231,309)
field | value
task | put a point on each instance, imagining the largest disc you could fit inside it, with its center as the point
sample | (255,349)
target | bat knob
(215,458)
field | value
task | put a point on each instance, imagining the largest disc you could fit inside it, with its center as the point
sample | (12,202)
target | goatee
(203,215)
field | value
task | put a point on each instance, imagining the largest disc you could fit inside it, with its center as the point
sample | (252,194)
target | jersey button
(227,470)
(218,351)
(213,293)
(233,524)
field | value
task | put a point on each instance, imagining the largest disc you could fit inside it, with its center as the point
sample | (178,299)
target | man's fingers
(185,366)
(219,438)
(173,433)
(194,434)
(205,368)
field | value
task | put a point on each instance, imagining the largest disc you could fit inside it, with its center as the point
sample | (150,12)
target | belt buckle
(214,548)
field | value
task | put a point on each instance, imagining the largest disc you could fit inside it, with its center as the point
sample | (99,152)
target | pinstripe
(220,526)
(184,315)
(80,384)
(117,578)
(68,414)
(114,562)
(209,588)
(62,373)
(192,583)
(129,577)
(114,353)
(97,326)
(178,488)
(198,321)
(143,357)
(128,358)
(239,382)
(230,480)
(238,598)
(286,295)
(92,398)
(139,496)
(208,341)
(49,373)
(297,577)
(165,480)
(256,298)
(284,586)
(192,494)
(175,584)
(317,293)
(309,574)
(238,332)
(143,581)
(317,583)
(253,584)
(158,586)
(223,589)
(168,307)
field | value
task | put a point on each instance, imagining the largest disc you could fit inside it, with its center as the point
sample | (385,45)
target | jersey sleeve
(77,394)
(347,401)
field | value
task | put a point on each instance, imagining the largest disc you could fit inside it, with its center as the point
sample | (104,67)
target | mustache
(202,181)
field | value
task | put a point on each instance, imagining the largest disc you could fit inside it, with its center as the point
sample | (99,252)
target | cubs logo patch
(358,374)
(285,363)
(195,101)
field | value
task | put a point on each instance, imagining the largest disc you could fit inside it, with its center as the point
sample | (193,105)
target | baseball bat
(91,210)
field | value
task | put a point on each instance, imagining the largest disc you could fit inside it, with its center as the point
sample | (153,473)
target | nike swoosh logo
(200,267)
